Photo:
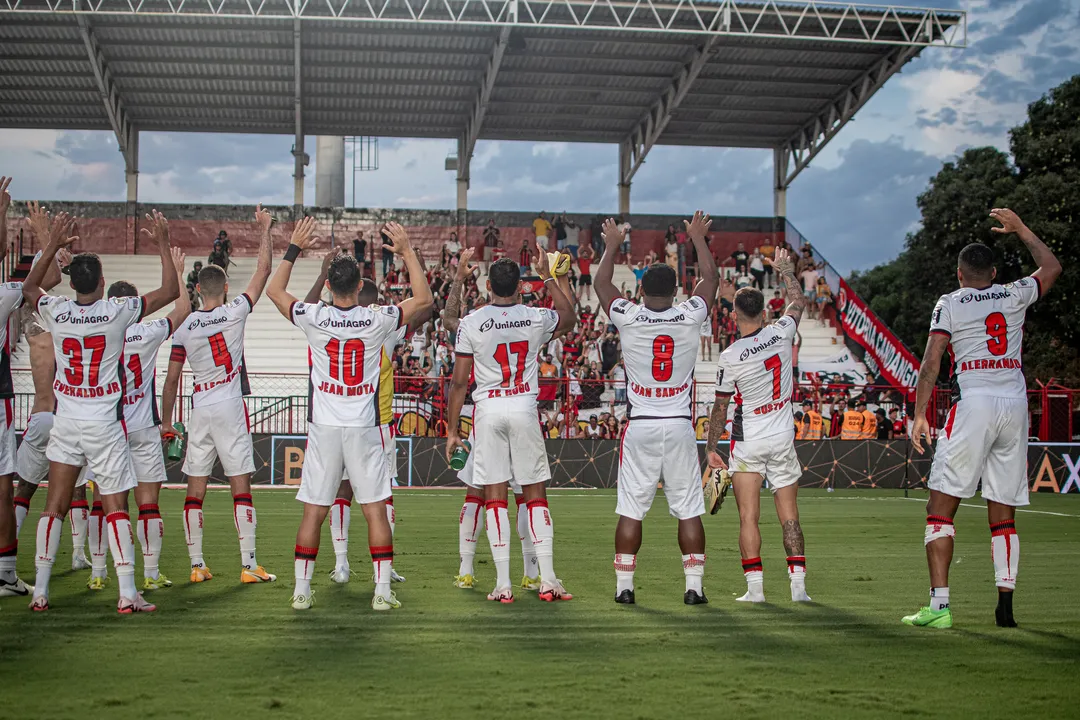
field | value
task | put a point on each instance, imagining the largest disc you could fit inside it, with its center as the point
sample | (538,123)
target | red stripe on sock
(474,499)
(113,519)
(343,502)
(75,504)
(22,501)
(10,550)
(242,499)
(491,504)
(390,500)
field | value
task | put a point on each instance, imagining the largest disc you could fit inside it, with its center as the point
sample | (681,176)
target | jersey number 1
(773,364)
(95,345)
(502,356)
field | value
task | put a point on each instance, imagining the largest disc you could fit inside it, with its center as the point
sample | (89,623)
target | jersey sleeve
(47,307)
(464,345)
(159,330)
(11,297)
(787,326)
(392,314)
(129,309)
(240,306)
(695,308)
(301,313)
(1025,291)
(549,321)
(620,312)
(941,319)
(725,378)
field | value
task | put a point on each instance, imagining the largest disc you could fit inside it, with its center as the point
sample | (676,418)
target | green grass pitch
(223,650)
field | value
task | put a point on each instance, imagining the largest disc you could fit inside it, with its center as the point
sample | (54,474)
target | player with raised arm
(659,345)
(500,342)
(756,371)
(346,428)
(88,339)
(141,420)
(212,342)
(986,434)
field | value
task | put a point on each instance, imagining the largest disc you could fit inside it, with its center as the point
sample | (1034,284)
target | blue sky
(856,201)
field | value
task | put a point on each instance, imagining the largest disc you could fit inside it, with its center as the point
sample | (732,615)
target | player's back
(141,344)
(659,349)
(213,343)
(757,370)
(985,328)
(504,342)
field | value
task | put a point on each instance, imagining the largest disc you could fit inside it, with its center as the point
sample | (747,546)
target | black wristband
(293,252)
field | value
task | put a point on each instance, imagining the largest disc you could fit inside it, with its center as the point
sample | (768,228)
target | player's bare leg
(151,533)
(246,523)
(498,532)
(10,584)
(99,545)
(692,544)
(307,549)
(24,493)
(787,510)
(193,527)
(530,579)
(747,487)
(80,519)
(627,543)
(470,523)
(1005,549)
(940,510)
(381,544)
(542,533)
(62,479)
(340,517)
(118,529)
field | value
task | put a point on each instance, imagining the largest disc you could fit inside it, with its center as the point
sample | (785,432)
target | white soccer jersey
(504,341)
(88,341)
(757,370)
(659,352)
(213,343)
(986,330)
(346,351)
(141,344)
(11,299)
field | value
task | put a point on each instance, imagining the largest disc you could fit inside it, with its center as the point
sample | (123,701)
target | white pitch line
(983,507)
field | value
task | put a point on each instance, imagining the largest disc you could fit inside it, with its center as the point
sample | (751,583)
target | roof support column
(131,165)
(625,173)
(300,158)
(464,159)
(780,182)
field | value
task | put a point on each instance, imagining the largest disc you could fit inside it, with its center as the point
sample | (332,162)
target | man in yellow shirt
(853,423)
(813,423)
(869,425)
(542,228)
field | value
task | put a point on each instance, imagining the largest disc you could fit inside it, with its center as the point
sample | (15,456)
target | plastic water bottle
(460,457)
(175,449)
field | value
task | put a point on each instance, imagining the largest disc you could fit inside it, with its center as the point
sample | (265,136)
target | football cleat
(79,561)
(156,583)
(17,588)
(752,597)
(256,575)
(395,578)
(135,605)
(929,618)
(504,595)
(465,582)
(39,604)
(340,575)
(798,594)
(97,583)
(381,604)
(692,597)
(626,597)
(530,583)
(200,573)
(303,602)
(553,592)
(716,488)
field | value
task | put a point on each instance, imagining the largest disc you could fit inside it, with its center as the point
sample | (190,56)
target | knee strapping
(938,527)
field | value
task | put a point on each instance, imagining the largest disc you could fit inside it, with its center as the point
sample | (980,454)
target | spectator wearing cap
(813,423)
(884,427)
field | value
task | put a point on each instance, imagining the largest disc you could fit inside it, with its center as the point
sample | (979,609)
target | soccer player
(501,341)
(659,343)
(346,427)
(88,338)
(141,420)
(212,342)
(756,370)
(986,434)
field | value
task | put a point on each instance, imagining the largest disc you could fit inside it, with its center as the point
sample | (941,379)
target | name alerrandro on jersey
(508,325)
(755,349)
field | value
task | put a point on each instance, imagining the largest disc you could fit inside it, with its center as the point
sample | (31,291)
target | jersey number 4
(95,346)
(220,350)
(502,356)
(997,331)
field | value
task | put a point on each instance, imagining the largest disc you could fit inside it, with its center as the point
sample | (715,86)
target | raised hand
(782,262)
(178,258)
(159,228)
(5,199)
(63,258)
(464,269)
(399,238)
(698,227)
(1010,221)
(263,218)
(612,234)
(303,235)
(326,261)
(60,231)
(38,217)
(540,262)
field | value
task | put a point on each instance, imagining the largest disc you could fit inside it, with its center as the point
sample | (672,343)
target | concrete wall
(113,227)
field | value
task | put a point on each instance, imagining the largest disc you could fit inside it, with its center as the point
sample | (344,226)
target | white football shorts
(331,451)
(7,439)
(219,432)
(654,449)
(100,445)
(465,475)
(984,437)
(391,452)
(147,455)
(773,458)
(508,438)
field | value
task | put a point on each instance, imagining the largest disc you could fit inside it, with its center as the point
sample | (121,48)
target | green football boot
(929,618)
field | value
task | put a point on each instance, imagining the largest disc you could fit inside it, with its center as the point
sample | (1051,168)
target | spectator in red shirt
(585,255)
(776,305)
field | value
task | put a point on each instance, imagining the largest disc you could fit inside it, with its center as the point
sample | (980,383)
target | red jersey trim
(939,331)
(250,302)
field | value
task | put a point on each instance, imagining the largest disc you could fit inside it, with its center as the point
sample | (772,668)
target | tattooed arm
(717,421)
(452,312)
(785,268)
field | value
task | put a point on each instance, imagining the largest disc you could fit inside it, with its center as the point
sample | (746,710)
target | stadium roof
(786,76)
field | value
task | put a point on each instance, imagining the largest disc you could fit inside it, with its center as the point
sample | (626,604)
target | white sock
(528,551)
(123,552)
(80,515)
(625,565)
(1005,549)
(244,515)
(694,571)
(8,557)
(48,542)
(543,538)
(22,509)
(340,515)
(755,576)
(469,526)
(498,532)
(382,558)
(151,532)
(99,543)
(939,598)
(304,569)
(796,569)
(193,530)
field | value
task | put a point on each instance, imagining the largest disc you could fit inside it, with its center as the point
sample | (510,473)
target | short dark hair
(343,276)
(369,293)
(851,404)
(212,281)
(860,401)
(122,289)
(659,280)
(892,410)
(504,277)
(798,415)
(807,402)
(85,272)
(976,260)
(749,302)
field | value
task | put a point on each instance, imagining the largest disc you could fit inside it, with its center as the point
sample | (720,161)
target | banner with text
(881,351)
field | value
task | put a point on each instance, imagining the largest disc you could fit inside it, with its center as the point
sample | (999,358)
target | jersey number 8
(663,349)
